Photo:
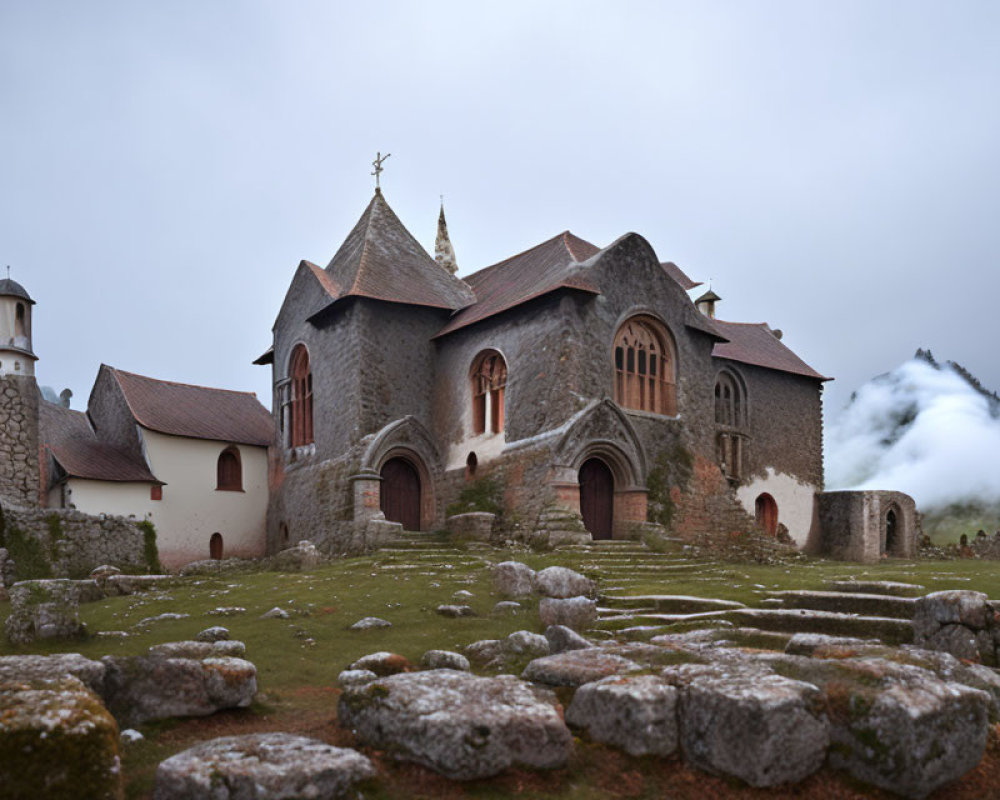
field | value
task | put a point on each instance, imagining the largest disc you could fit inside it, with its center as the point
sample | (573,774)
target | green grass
(298,659)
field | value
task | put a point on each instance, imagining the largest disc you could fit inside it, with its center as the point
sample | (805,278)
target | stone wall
(61,542)
(20,480)
(853,526)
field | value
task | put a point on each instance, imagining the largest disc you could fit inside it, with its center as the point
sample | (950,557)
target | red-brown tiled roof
(679,275)
(74,445)
(754,343)
(381,259)
(198,412)
(552,265)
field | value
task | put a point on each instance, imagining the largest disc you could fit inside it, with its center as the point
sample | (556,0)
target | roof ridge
(366,240)
(524,252)
(179,383)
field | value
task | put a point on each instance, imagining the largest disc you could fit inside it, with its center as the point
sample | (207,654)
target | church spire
(444,253)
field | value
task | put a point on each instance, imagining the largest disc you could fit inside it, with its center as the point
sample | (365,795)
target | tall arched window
(301,397)
(645,367)
(489,381)
(730,420)
(229,471)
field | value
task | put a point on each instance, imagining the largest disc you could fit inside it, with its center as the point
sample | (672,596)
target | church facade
(577,388)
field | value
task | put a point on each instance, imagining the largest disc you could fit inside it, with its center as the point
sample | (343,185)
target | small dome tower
(16,355)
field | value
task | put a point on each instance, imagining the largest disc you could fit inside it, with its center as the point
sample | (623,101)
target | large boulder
(561,639)
(44,609)
(138,689)
(57,742)
(764,729)
(513,579)
(200,650)
(460,725)
(262,766)
(562,582)
(959,622)
(577,667)
(635,713)
(55,667)
(303,555)
(578,613)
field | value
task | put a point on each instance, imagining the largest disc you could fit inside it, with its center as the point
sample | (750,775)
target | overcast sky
(834,168)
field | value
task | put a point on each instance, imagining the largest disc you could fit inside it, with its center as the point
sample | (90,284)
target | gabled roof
(554,264)
(679,275)
(197,412)
(380,259)
(755,343)
(74,445)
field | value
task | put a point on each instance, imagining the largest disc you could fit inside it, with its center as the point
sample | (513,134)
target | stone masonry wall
(69,542)
(20,481)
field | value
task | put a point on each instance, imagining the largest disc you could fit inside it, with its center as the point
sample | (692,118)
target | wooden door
(597,498)
(766,513)
(401,493)
(215,546)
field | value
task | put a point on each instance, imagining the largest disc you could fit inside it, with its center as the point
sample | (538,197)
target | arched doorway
(215,546)
(766,514)
(400,495)
(597,498)
(891,532)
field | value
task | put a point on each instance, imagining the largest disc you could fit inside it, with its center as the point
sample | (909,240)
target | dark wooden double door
(401,493)
(597,498)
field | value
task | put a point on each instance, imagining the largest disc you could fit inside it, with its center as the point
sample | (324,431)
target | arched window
(730,419)
(645,367)
(20,330)
(301,397)
(489,381)
(229,471)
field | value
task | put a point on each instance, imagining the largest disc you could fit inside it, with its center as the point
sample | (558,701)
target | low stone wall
(47,543)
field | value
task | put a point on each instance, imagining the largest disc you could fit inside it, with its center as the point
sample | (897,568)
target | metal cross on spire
(377,163)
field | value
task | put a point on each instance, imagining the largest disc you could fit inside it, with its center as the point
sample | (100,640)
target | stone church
(580,385)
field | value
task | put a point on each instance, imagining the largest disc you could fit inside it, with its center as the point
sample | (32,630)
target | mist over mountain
(929,429)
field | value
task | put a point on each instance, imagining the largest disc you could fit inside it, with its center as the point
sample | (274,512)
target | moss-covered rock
(57,741)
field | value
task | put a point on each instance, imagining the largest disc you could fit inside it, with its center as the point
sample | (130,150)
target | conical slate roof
(381,259)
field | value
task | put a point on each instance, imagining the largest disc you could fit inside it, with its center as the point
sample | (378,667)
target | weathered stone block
(577,667)
(561,582)
(475,526)
(578,613)
(513,579)
(46,609)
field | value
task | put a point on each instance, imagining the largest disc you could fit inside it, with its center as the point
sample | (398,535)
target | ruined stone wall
(852,525)
(67,543)
(20,480)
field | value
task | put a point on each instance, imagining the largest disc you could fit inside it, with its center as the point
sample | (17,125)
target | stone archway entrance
(597,498)
(766,513)
(400,495)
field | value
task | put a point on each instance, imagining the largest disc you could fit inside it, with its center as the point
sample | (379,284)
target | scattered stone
(485,652)
(166,616)
(561,639)
(131,736)
(763,729)
(103,572)
(53,668)
(355,677)
(445,659)
(561,582)
(138,689)
(505,607)
(455,611)
(279,613)
(58,741)
(367,623)
(460,725)
(513,579)
(877,587)
(578,613)
(637,713)
(577,667)
(808,644)
(214,634)
(383,663)
(526,643)
(44,609)
(199,650)
(261,766)
(226,611)
(462,594)
(303,555)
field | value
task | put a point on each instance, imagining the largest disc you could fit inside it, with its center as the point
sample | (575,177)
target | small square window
(156,492)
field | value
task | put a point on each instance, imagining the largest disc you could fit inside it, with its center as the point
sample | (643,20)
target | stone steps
(892,588)
(876,605)
(668,603)
(891,630)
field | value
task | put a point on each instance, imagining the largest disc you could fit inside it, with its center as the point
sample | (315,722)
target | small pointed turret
(706,303)
(444,253)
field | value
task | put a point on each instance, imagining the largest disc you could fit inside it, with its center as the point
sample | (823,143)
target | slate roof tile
(754,343)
